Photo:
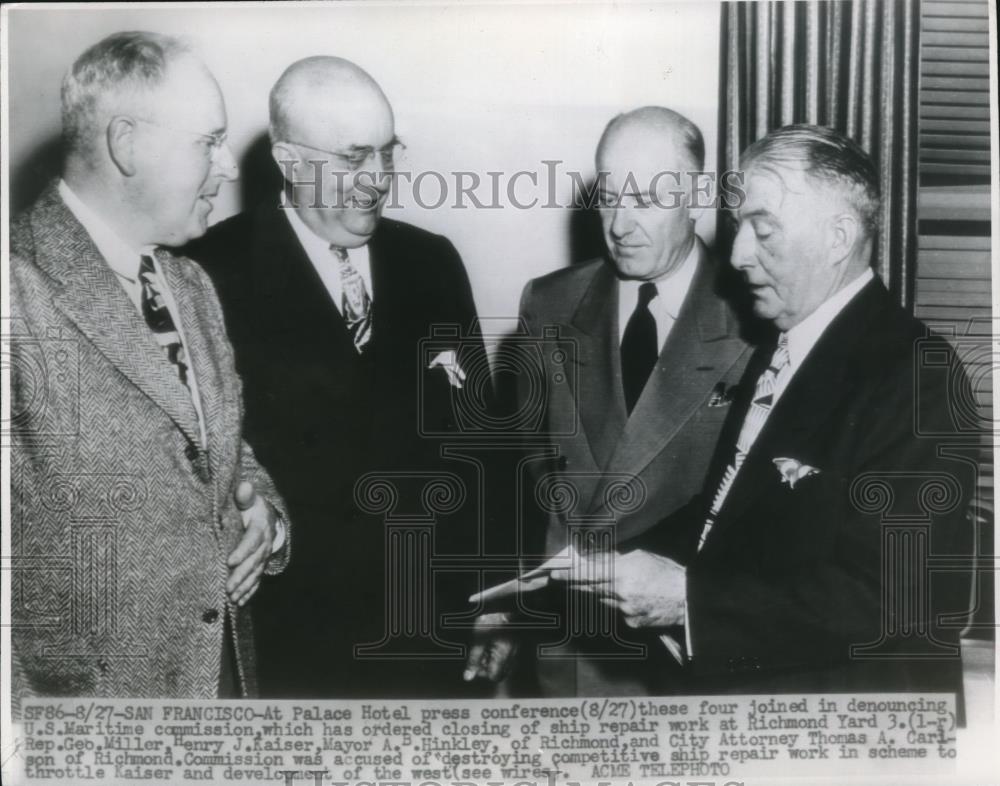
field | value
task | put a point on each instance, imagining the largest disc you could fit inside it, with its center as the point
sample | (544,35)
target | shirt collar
(672,288)
(318,251)
(122,258)
(803,337)
(316,248)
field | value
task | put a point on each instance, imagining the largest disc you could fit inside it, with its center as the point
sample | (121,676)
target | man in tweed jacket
(141,521)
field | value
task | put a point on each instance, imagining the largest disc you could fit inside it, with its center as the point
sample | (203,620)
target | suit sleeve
(249,467)
(838,592)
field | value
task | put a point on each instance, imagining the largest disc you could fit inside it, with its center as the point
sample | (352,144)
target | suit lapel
(199,345)
(600,397)
(701,348)
(91,297)
(288,278)
(803,413)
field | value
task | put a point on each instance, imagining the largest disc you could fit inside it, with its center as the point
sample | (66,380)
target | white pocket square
(448,360)
(793,470)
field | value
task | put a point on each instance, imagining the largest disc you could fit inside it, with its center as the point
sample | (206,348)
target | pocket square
(721,395)
(793,470)
(448,360)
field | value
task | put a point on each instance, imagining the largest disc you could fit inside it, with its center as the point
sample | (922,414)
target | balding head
(333,137)
(322,95)
(656,129)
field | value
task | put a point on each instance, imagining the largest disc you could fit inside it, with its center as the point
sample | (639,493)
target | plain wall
(475,87)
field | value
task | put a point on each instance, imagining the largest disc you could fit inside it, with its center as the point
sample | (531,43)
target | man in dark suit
(141,521)
(326,303)
(649,352)
(806,552)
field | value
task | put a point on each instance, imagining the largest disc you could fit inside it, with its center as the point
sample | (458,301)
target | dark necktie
(356,305)
(157,316)
(639,347)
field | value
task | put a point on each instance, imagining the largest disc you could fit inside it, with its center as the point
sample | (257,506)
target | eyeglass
(358,157)
(215,141)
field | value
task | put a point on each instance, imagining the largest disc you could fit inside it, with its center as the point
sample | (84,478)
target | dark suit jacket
(655,458)
(122,520)
(790,578)
(320,416)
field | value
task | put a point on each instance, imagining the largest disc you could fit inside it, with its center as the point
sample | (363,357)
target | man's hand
(649,590)
(246,563)
(493,649)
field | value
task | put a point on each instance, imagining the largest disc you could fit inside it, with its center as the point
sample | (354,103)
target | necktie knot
(647,291)
(355,302)
(780,358)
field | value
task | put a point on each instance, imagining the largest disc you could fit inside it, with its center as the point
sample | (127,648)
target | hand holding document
(534,579)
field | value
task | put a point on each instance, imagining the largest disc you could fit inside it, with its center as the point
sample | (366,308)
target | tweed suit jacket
(625,470)
(121,519)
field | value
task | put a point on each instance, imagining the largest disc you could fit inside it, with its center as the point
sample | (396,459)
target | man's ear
(699,194)
(845,234)
(121,144)
(286,158)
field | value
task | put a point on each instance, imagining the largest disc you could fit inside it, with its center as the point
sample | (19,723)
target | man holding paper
(657,351)
(833,480)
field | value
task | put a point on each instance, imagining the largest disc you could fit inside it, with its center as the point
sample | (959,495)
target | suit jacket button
(210,616)
(191,452)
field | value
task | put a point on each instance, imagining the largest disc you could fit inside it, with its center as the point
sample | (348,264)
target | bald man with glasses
(326,302)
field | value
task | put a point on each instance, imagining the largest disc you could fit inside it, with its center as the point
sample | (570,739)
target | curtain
(850,65)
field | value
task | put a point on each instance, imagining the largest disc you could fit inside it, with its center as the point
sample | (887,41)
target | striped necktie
(157,316)
(355,303)
(763,399)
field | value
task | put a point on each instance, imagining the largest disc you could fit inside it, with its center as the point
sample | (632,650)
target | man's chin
(363,222)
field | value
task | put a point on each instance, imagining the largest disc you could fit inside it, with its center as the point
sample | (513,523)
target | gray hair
(826,156)
(112,70)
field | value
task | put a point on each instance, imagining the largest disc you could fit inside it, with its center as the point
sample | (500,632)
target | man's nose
(225,164)
(621,220)
(742,254)
(379,174)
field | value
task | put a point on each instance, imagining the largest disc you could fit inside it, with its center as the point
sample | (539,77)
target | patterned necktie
(760,407)
(355,304)
(154,310)
(639,347)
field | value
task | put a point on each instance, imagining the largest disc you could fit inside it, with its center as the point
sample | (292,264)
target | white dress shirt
(327,265)
(803,337)
(671,290)
(124,262)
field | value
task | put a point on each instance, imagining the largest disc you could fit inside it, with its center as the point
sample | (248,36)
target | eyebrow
(645,194)
(756,213)
(361,148)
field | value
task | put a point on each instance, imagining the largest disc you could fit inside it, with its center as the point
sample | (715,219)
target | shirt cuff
(279,536)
